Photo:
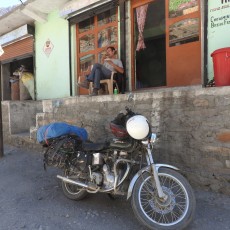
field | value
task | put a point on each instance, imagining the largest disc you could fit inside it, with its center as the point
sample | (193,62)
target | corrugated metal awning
(24,47)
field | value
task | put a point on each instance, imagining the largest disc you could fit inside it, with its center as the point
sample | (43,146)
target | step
(24,140)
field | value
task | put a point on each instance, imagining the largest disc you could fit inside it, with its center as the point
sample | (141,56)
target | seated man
(100,72)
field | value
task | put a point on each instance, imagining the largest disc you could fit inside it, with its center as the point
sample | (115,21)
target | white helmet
(138,127)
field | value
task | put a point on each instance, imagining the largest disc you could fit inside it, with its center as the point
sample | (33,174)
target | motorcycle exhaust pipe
(67,180)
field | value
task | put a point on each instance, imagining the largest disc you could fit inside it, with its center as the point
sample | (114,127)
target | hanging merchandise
(141,12)
(26,81)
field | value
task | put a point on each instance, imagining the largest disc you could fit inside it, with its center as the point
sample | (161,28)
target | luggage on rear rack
(61,149)
(62,142)
(57,129)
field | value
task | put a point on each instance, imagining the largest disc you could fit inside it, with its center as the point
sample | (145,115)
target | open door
(149,62)
(183,42)
(171,33)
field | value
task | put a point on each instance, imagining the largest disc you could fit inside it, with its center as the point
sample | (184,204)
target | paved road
(32,199)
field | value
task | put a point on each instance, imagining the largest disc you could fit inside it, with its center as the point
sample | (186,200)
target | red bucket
(221,64)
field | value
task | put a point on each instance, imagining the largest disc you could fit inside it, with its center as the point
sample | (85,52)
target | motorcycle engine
(103,176)
(109,177)
(81,161)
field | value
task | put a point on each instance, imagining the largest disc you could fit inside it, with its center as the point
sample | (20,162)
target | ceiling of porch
(27,13)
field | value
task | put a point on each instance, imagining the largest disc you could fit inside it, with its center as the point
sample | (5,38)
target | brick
(223,137)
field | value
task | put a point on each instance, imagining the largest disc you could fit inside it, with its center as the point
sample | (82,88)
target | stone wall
(192,124)
(19,116)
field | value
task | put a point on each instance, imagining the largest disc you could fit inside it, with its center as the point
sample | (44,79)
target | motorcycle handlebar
(129,111)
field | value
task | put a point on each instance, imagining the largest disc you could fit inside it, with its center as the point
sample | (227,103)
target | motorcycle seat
(86,146)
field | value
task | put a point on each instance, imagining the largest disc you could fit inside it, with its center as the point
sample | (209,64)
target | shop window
(184,31)
(86,61)
(183,43)
(94,35)
(86,25)
(107,37)
(182,7)
(107,17)
(87,43)
(187,29)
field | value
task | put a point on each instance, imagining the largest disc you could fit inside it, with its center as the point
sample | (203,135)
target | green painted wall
(52,71)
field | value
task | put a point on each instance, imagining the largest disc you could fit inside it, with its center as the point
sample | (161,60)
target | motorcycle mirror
(130,97)
(153,137)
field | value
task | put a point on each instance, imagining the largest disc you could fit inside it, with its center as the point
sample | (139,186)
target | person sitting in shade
(102,71)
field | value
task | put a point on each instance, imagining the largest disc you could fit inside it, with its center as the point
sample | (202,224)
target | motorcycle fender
(146,169)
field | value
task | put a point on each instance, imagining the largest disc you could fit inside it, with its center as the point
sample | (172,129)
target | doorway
(166,43)
(149,61)
(10,80)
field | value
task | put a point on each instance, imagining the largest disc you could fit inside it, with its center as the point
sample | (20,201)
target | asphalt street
(32,199)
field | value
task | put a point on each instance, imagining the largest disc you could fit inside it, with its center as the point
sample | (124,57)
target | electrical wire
(22,2)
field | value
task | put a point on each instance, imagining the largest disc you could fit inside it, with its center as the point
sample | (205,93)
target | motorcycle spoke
(149,186)
(180,207)
(151,215)
(175,216)
(145,204)
(165,220)
(180,195)
(163,212)
(163,180)
(146,191)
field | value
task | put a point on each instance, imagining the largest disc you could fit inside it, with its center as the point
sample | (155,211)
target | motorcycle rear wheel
(173,214)
(73,192)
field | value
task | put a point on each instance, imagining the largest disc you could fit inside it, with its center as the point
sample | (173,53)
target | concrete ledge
(23,140)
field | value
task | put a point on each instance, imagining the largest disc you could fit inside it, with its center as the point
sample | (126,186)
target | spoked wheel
(175,212)
(71,191)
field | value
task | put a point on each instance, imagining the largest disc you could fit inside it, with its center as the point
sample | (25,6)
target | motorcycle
(161,198)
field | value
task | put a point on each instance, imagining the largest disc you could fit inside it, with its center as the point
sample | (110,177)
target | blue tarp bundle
(58,129)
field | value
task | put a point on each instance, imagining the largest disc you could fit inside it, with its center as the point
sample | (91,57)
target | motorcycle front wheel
(174,213)
(72,191)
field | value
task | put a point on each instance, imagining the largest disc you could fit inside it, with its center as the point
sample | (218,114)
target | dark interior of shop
(27,62)
(151,61)
(11,86)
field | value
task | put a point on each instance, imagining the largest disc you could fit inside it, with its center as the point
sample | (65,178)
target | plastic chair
(109,84)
